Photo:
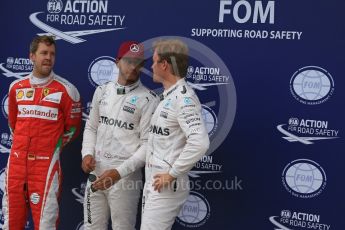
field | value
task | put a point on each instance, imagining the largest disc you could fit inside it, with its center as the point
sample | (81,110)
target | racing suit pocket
(20,142)
(44,144)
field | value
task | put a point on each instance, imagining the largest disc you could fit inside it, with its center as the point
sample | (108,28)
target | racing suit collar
(172,88)
(41,82)
(123,89)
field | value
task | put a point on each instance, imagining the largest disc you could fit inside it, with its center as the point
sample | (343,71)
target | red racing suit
(43,118)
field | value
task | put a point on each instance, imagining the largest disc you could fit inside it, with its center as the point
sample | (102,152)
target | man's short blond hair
(175,52)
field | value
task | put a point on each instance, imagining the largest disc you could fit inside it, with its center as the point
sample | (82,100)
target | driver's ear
(31,56)
(165,64)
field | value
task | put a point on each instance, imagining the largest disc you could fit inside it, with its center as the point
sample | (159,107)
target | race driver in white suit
(117,128)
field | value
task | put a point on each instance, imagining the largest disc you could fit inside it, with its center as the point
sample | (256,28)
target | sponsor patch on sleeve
(76,107)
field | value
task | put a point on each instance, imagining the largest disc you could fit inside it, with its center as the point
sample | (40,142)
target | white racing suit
(177,140)
(116,129)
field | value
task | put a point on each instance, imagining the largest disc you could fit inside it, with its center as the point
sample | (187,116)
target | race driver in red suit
(44,115)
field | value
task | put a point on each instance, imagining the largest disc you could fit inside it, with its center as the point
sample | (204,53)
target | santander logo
(36,111)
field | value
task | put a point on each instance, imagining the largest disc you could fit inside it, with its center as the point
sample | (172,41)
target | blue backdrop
(268,73)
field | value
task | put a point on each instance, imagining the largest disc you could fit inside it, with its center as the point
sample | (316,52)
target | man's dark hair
(48,40)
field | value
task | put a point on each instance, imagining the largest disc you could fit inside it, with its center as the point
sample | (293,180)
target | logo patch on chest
(128,109)
(26,94)
(54,97)
(45,92)
(164,114)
